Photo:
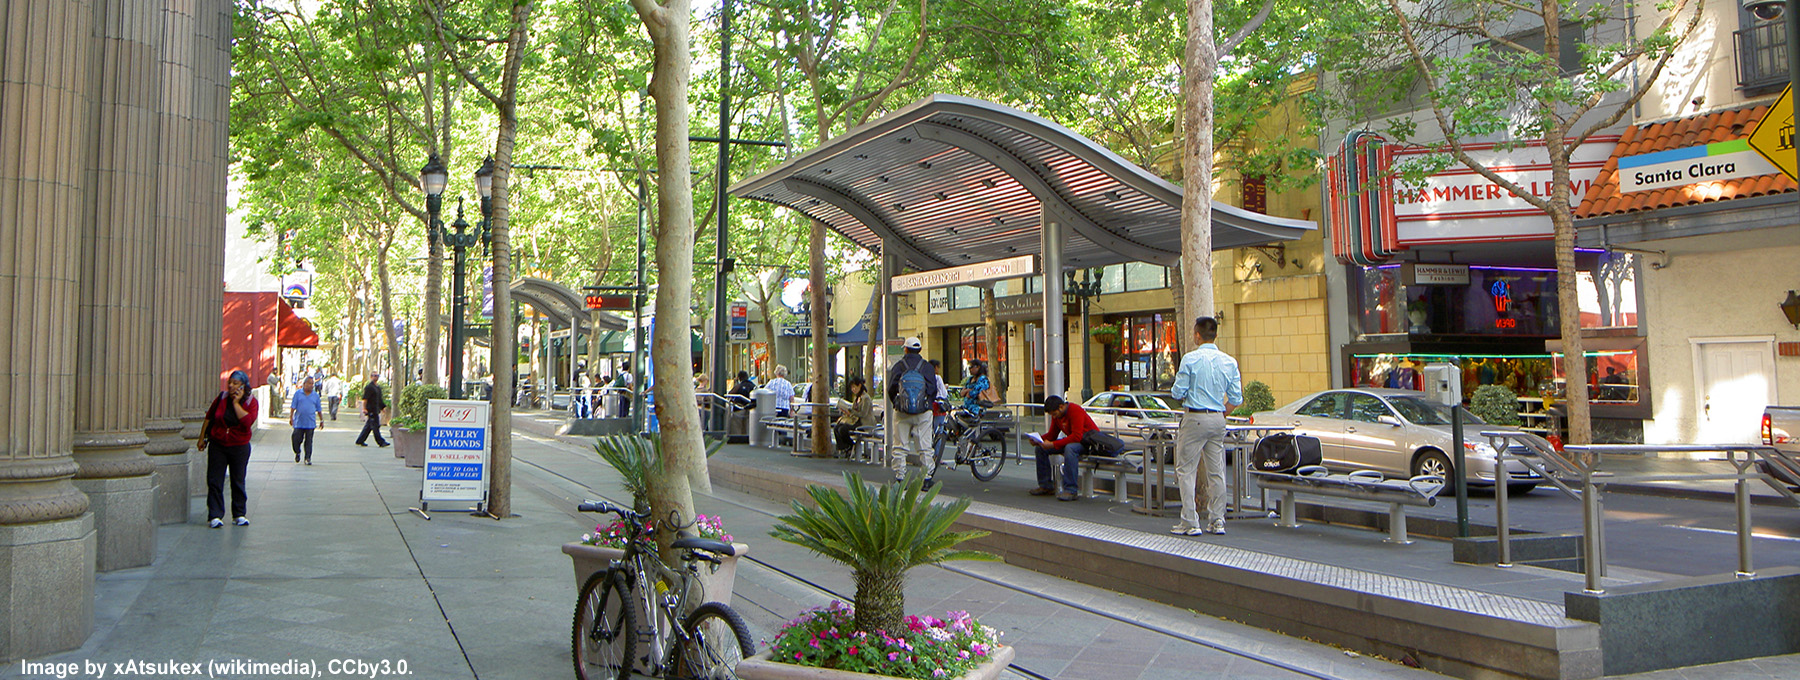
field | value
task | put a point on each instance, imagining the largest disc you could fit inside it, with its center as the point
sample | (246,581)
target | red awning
(293,331)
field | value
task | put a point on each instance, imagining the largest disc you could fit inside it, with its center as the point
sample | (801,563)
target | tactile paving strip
(1395,587)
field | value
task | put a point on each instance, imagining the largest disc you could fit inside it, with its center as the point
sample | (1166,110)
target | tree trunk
(684,464)
(990,332)
(880,600)
(821,355)
(434,294)
(395,368)
(874,336)
(502,338)
(1198,68)
(1568,299)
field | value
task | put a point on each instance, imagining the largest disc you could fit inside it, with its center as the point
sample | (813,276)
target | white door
(1735,380)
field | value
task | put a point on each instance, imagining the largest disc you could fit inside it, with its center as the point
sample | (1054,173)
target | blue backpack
(916,392)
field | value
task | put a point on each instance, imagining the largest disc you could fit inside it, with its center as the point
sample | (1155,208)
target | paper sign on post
(456,451)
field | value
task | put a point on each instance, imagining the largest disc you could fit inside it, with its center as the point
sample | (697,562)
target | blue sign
(466,471)
(456,438)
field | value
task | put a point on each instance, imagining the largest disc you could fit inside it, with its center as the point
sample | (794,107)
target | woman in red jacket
(230,422)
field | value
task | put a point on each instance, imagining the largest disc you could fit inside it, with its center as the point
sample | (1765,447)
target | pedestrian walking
(784,392)
(1209,386)
(303,416)
(333,390)
(277,392)
(1069,425)
(373,404)
(225,437)
(624,382)
(911,386)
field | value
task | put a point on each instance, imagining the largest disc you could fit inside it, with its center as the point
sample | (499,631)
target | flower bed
(930,648)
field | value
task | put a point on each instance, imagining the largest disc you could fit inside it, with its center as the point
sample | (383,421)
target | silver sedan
(1397,432)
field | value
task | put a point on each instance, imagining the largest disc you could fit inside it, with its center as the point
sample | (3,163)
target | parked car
(1779,423)
(1118,412)
(1399,433)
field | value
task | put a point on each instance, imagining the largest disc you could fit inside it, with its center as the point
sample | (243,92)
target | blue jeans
(1071,467)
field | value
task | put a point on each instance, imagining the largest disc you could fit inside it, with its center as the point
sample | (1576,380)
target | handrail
(1592,519)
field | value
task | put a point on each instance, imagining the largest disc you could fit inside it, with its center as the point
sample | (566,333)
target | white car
(1118,412)
(1399,433)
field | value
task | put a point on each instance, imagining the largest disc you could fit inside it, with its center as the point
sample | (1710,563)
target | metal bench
(778,429)
(868,440)
(1130,461)
(1362,485)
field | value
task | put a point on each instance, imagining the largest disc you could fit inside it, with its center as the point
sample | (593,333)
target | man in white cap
(911,387)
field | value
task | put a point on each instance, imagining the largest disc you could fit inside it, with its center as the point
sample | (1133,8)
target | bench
(1363,485)
(1130,461)
(778,428)
(868,440)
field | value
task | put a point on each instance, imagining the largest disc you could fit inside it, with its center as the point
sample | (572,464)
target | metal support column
(1055,359)
(890,267)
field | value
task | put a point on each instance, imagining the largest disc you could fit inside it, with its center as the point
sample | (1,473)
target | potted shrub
(1257,398)
(636,458)
(879,533)
(1495,404)
(409,423)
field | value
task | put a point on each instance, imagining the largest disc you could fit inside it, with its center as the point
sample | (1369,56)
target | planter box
(410,444)
(760,667)
(590,559)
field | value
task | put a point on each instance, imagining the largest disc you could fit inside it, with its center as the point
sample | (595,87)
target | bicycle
(978,441)
(708,643)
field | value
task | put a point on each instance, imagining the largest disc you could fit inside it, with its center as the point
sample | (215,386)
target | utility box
(1443,383)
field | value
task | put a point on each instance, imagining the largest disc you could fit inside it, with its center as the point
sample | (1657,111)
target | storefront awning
(293,331)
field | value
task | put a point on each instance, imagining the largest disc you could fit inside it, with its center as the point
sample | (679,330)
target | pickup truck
(1780,425)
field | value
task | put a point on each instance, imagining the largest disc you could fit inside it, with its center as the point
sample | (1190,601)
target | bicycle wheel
(604,634)
(985,458)
(717,641)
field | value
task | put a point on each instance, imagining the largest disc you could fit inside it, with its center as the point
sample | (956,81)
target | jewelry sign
(456,451)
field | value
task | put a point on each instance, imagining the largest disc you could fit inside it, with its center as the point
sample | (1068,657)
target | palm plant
(636,458)
(880,532)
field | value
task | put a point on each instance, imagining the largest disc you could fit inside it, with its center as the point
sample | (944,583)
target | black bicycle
(639,590)
(978,441)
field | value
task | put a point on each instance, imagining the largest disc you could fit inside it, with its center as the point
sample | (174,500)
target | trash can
(762,405)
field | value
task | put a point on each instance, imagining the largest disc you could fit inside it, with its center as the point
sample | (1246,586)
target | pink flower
(796,656)
(893,656)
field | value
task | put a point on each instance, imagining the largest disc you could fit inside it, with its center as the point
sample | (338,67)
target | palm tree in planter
(636,458)
(880,532)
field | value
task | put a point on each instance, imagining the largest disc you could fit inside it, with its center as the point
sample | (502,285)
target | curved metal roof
(954,180)
(561,303)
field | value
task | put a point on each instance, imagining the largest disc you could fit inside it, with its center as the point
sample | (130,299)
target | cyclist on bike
(978,391)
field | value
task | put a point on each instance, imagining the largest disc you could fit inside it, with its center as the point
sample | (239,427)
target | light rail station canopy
(952,180)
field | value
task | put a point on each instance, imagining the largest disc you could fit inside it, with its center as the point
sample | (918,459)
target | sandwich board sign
(456,453)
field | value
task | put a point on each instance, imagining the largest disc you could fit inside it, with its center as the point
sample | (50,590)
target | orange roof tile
(1603,197)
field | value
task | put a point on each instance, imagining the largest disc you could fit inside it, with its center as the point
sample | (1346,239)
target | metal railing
(1592,481)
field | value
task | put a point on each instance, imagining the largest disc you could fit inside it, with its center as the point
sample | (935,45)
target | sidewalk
(335,568)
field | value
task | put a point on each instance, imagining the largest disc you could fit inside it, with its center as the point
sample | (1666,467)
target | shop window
(1145,356)
(1112,279)
(965,297)
(1145,276)
(938,300)
(1607,285)
(1613,376)
(1380,300)
(1568,59)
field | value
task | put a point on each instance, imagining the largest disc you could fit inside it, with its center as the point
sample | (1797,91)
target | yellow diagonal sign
(1774,135)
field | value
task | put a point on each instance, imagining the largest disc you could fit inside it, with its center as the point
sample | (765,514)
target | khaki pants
(912,430)
(1202,438)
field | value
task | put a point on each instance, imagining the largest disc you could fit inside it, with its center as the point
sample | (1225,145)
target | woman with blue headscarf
(230,422)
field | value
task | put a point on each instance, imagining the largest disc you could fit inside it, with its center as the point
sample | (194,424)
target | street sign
(608,302)
(1774,135)
(740,321)
(1009,268)
(456,452)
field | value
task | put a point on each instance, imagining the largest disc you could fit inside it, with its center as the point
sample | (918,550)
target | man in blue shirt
(304,417)
(1208,385)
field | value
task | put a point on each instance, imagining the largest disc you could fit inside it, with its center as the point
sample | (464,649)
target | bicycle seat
(706,544)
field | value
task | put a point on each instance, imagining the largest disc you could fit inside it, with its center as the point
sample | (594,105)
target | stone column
(168,445)
(112,324)
(46,531)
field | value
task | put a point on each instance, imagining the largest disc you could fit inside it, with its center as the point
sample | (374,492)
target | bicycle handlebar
(608,507)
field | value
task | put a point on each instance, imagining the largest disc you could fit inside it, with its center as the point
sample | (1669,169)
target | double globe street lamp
(434,177)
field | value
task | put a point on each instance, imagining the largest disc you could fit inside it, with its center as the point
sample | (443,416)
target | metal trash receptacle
(762,405)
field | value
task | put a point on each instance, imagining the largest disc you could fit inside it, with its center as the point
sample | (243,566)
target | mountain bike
(978,441)
(636,613)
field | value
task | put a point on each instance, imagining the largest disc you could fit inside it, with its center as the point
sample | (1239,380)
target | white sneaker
(243,521)
(215,523)
(1217,527)
(1183,529)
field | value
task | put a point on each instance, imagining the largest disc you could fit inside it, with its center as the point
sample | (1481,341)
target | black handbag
(1283,452)
(1100,443)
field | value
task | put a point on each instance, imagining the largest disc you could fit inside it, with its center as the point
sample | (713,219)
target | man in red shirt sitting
(1072,423)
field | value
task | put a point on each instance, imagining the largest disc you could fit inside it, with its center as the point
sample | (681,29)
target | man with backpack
(912,384)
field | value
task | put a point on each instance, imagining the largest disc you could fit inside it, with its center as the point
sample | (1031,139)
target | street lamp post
(433,178)
(1086,288)
(462,240)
